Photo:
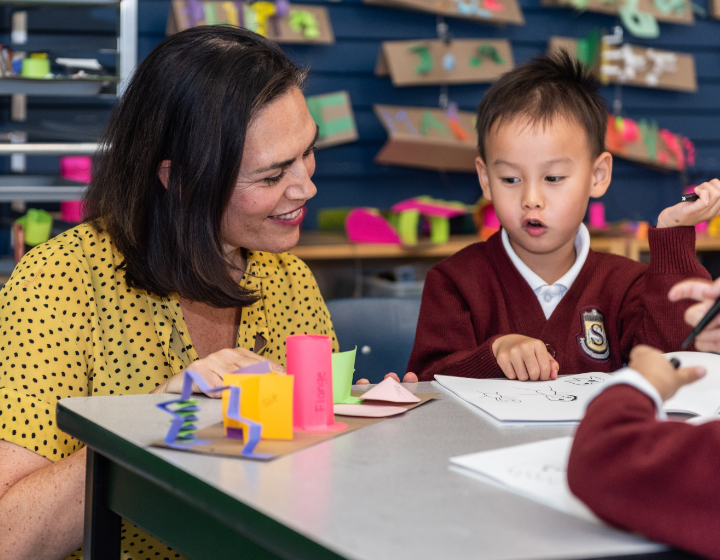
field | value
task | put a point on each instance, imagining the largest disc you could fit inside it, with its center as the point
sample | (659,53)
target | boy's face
(540,178)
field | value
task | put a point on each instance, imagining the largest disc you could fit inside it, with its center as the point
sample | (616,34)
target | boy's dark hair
(191,101)
(545,88)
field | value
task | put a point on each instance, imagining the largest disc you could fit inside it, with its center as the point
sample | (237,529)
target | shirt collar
(582,246)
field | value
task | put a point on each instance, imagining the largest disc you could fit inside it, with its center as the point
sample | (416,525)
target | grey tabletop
(385,491)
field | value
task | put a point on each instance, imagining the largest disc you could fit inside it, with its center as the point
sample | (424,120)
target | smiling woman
(198,192)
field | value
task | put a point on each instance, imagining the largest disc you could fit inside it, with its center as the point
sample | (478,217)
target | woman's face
(268,203)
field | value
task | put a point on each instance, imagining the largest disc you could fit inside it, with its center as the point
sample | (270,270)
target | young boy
(534,300)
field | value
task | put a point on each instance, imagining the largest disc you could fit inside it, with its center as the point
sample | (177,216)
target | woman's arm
(41,504)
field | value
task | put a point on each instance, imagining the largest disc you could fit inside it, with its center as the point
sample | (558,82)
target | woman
(199,191)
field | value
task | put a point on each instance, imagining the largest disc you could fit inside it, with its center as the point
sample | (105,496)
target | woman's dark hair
(191,102)
(542,89)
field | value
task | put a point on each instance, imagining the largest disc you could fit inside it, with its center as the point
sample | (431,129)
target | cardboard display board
(218,444)
(488,11)
(715,8)
(612,7)
(644,142)
(633,65)
(432,62)
(304,23)
(428,138)
(333,113)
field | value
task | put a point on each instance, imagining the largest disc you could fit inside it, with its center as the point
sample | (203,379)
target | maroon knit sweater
(659,479)
(477,295)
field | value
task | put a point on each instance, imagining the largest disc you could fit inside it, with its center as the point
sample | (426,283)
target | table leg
(102,525)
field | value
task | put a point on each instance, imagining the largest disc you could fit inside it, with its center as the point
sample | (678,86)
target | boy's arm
(647,316)
(655,478)
(445,341)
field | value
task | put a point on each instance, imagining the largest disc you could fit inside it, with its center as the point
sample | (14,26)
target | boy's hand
(693,213)
(659,371)
(522,358)
(706,292)
(410,377)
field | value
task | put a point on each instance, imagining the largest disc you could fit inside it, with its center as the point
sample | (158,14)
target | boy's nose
(532,198)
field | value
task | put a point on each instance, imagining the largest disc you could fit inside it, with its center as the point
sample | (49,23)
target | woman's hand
(658,370)
(692,213)
(213,369)
(410,377)
(706,292)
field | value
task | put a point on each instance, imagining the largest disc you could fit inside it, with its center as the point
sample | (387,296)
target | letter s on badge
(593,339)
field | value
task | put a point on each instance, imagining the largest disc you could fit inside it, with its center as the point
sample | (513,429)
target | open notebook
(563,401)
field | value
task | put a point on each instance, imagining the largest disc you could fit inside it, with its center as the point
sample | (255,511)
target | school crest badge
(595,341)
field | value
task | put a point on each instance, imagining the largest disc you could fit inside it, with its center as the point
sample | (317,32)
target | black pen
(675,363)
(690,197)
(704,322)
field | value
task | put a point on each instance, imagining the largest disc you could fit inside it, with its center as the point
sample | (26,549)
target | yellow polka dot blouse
(71,327)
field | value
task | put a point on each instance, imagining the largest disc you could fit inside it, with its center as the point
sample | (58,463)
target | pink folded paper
(366,225)
(367,410)
(391,391)
(430,208)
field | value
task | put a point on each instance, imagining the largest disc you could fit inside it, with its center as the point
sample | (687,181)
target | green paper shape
(37,225)
(439,229)
(429,121)
(588,48)
(316,104)
(426,63)
(302,20)
(649,134)
(343,367)
(210,13)
(487,51)
(407,226)
(669,6)
(639,24)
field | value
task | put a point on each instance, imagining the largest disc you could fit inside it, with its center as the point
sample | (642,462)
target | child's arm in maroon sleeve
(445,340)
(647,316)
(659,479)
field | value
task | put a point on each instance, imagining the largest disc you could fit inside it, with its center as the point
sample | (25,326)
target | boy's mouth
(534,227)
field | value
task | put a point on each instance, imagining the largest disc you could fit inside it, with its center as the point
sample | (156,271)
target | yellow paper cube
(266,399)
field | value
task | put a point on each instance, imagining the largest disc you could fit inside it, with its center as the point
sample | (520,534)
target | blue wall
(346,175)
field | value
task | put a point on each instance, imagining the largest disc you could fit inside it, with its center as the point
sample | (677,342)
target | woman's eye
(510,180)
(275,180)
(554,179)
(311,150)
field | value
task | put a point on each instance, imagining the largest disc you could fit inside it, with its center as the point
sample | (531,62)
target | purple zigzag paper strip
(240,7)
(194,11)
(452,111)
(401,116)
(260,367)
(233,412)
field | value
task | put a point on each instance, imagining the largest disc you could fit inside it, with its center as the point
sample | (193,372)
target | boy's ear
(601,175)
(483,178)
(164,172)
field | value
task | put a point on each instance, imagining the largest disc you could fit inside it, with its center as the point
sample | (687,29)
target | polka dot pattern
(71,327)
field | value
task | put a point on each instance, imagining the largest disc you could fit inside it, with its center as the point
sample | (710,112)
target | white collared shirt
(550,296)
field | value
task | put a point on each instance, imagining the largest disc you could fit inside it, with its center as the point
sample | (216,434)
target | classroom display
(645,142)
(633,65)
(333,114)
(487,11)
(433,62)
(639,17)
(280,21)
(428,138)
(715,8)
(266,415)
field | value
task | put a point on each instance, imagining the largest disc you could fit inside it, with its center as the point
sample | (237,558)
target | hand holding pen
(693,210)
(704,316)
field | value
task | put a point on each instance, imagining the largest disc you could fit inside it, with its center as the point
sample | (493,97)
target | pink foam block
(427,208)
(309,360)
(368,410)
(490,218)
(596,215)
(391,391)
(366,225)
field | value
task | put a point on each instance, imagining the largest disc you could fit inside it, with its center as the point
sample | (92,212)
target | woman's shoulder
(277,262)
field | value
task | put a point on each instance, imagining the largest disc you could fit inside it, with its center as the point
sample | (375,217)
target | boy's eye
(510,180)
(554,179)
(276,179)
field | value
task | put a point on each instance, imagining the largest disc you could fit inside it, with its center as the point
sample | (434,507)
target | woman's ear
(164,172)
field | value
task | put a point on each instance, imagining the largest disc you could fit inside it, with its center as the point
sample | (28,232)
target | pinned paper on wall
(428,138)
(279,20)
(266,399)
(633,65)
(343,367)
(644,142)
(430,62)
(333,114)
(639,17)
(484,11)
